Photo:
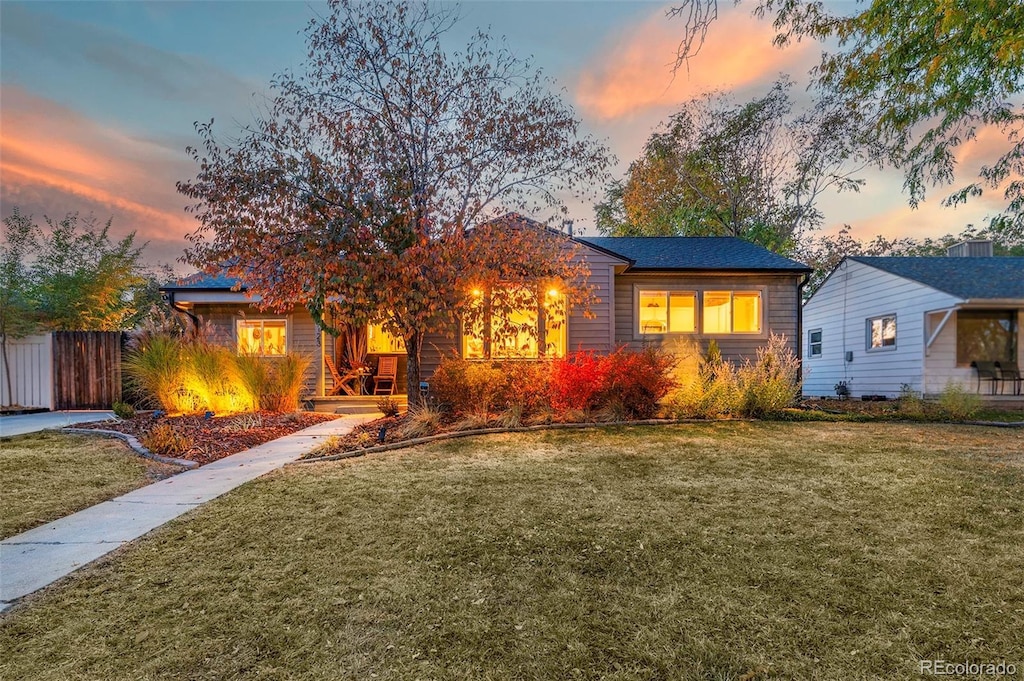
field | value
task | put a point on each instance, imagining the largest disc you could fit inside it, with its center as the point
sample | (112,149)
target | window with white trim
(719,312)
(266,337)
(881,333)
(668,312)
(732,312)
(814,343)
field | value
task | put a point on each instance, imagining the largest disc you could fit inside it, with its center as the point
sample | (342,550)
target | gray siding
(596,332)
(780,301)
(303,336)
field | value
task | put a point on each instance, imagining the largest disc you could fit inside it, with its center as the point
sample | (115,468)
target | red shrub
(578,381)
(635,381)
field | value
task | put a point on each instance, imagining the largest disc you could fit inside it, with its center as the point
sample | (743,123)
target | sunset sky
(98,99)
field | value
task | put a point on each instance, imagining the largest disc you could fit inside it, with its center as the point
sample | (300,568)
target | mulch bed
(217,437)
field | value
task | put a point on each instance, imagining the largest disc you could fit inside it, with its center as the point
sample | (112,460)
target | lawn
(712,551)
(50,475)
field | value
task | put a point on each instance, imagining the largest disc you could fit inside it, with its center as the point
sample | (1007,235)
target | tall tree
(353,195)
(18,316)
(752,170)
(85,281)
(929,74)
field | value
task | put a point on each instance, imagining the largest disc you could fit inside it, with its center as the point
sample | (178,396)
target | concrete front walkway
(34,559)
(30,423)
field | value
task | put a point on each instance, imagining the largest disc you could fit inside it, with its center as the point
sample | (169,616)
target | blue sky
(99,99)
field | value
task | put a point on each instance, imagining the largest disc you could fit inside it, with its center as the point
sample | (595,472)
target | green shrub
(708,385)
(957,403)
(123,410)
(465,387)
(910,404)
(525,388)
(764,387)
(163,439)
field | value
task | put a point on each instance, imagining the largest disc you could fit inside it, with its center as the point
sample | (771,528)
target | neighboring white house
(881,323)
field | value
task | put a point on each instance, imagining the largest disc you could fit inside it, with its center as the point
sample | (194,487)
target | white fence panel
(31,361)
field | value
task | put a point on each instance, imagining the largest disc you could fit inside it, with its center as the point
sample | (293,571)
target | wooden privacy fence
(64,370)
(86,369)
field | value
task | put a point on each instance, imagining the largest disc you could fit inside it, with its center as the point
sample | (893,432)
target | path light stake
(381,434)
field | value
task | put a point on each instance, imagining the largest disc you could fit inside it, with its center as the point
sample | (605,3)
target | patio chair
(387,373)
(988,371)
(1010,373)
(349,382)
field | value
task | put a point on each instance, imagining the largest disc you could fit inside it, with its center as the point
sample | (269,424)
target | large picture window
(262,336)
(529,332)
(986,335)
(720,312)
(881,333)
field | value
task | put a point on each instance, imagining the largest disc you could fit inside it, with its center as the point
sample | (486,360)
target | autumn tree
(928,75)
(753,170)
(361,192)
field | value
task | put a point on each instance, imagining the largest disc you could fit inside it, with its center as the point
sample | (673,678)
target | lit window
(380,342)
(986,336)
(814,343)
(519,334)
(667,312)
(882,333)
(262,336)
(732,312)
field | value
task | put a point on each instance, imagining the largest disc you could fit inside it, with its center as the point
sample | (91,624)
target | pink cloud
(54,161)
(633,73)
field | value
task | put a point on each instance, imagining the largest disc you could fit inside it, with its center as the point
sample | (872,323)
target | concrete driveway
(30,423)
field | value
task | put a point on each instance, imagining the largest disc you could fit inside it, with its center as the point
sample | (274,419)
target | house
(880,324)
(649,290)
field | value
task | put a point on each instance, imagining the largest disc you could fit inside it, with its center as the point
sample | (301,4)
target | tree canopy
(354,193)
(929,75)
(752,170)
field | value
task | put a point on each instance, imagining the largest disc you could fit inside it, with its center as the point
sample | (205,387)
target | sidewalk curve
(34,559)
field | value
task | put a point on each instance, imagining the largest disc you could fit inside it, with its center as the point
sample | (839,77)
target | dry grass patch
(50,475)
(710,551)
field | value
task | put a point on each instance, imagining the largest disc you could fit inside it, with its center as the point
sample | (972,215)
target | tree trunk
(7,370)
(413,344)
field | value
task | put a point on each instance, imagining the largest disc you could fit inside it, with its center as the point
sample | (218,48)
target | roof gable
(694,253)
(986,278)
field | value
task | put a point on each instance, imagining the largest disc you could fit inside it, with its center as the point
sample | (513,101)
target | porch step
(360,404)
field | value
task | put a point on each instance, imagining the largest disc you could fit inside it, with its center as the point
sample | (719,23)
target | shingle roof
(968,278)
(202,280)
(694,253)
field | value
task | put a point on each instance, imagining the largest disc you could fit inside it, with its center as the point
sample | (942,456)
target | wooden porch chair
(387,374)
(988,371)
(348,382)
(1010,373)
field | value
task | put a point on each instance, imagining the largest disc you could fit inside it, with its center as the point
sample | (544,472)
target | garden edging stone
(133,443)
